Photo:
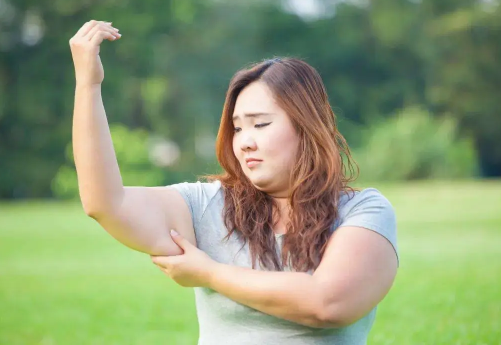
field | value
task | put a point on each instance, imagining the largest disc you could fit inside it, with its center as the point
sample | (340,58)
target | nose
(247,143)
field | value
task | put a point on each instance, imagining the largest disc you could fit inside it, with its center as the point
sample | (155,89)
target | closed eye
(259,125)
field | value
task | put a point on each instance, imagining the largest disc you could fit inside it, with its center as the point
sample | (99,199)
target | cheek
(237,152)
(282,145)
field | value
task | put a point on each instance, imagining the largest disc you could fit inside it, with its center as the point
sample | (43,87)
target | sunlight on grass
(65,281)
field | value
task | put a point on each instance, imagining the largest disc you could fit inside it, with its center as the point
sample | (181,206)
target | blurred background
(415,88)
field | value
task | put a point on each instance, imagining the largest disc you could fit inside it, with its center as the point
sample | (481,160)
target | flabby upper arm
(143,219)
(147,214)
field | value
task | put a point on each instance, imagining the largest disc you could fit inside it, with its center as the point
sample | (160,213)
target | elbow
(98,210)
(98,205)
(89,211)
(92,212)
(328,316)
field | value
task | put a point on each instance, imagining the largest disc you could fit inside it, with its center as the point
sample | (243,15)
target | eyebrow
(251,115)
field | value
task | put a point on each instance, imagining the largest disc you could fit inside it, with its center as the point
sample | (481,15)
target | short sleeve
(197,196)
(371,210)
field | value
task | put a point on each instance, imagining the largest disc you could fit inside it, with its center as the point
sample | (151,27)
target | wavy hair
(323,169)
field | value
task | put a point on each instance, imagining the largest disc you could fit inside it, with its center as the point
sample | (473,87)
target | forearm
(99,181)
(291,296)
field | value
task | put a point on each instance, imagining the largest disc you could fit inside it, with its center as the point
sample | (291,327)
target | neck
(282,218)
(283,203)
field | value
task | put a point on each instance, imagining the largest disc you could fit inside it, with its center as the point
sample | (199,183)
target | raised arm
(139,217)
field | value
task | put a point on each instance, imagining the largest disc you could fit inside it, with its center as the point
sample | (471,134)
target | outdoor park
(414,85)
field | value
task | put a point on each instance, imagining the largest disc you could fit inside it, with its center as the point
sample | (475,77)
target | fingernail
(174,233)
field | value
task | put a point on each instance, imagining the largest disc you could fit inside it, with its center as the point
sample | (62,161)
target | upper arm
(360,262)
(145,216)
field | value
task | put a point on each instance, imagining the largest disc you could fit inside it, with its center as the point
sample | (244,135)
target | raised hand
(85,51)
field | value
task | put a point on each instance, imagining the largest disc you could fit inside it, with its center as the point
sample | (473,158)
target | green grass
(63,280)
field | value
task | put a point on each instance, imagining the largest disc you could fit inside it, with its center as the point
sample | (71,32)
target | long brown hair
(320,175)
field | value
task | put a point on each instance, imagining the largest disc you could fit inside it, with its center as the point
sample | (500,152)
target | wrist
(214,275)
(88,86)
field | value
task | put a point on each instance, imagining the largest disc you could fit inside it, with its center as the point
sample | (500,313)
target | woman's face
(263,131)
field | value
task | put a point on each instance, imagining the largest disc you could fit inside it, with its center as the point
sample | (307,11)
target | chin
(268,184)
(265,184)
(259,181)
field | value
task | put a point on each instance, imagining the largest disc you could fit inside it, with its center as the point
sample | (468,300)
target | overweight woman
(279,248)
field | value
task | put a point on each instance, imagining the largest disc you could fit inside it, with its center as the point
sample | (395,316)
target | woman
(279,248)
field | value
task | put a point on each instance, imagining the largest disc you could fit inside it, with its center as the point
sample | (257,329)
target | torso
(222,320)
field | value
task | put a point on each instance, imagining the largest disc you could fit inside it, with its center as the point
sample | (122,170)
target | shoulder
(369,209)
(367,198)
(198,189)
(198,196)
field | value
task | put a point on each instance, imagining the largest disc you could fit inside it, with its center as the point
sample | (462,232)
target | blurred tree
(414,145)
(142,161)
(466,75)
(169,72)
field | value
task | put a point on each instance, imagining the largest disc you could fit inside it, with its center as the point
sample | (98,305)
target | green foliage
(65,184)
(132,149)
(414,145)
(169,72)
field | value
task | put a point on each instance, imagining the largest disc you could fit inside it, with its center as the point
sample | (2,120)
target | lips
(252,162)
(247,160)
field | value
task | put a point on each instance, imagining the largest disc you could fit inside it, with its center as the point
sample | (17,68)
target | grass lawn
(63,280)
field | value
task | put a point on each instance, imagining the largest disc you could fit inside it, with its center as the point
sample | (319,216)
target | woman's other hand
(194,268)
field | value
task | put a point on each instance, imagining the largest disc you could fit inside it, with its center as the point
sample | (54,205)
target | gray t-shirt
(224,321)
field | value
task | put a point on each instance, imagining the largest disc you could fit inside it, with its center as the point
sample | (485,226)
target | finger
(164,271)
(101,27)
(86,28)
(180,240)
(101,36)
(164,261)
(157,260)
